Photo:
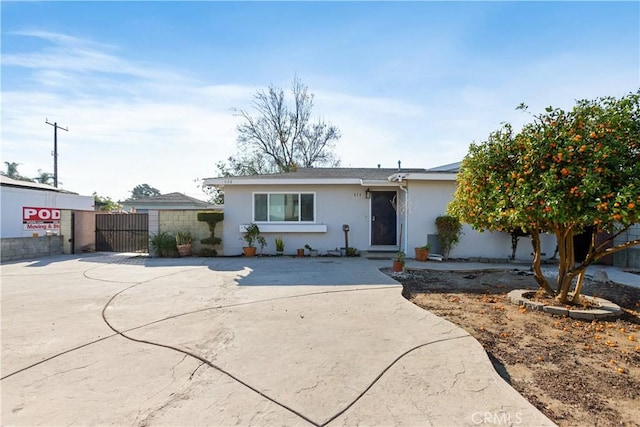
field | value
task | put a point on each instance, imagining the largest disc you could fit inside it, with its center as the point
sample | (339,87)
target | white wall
(335,205)
(429,199)
(13,199)
(346,204)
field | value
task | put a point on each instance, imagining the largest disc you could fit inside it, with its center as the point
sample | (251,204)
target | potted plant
(312,252)
(252,236)
(398,262)
(422,253)
(184,240)
(279,245)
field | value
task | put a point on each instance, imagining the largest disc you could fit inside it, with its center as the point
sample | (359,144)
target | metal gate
(122,232)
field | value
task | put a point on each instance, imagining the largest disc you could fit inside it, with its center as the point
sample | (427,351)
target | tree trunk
(582,269)
(565,263)
(578,290)
(537,256)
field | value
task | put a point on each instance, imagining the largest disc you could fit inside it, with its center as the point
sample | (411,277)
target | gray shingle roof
(337,173)
(169,198)
(451,168)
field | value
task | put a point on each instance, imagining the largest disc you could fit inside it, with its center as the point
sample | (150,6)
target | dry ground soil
(578,373)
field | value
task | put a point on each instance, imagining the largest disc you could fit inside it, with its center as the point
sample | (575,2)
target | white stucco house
(385,209)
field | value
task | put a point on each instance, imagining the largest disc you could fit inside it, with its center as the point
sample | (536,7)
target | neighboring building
(170,201)
(31,207)
(385,209)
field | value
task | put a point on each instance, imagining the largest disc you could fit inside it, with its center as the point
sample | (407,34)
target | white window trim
(268,193)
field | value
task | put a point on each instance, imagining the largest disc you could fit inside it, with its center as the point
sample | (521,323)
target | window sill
(289,228)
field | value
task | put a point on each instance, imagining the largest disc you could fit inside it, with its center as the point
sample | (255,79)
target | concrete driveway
(109,339)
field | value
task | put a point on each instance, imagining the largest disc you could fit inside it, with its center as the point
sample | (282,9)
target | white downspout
(406,217)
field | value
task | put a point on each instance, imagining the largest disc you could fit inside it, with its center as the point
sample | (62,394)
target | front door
(383,218)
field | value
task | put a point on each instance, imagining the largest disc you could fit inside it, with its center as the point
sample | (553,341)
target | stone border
(605,310)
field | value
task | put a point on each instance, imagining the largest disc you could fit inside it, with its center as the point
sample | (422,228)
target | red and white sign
(40,218)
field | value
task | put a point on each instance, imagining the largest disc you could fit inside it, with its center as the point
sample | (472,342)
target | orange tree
(566,172)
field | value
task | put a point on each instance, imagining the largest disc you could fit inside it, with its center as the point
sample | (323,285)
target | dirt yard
(578,373)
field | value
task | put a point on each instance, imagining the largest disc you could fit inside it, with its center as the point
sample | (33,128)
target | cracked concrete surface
(234,341)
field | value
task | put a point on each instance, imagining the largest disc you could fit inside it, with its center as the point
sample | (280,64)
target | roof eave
(424,176)
(222,182)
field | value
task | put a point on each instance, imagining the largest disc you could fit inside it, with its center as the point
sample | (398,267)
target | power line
(55,149)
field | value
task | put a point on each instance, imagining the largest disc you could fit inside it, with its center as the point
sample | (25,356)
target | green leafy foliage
(184,238)
(12,172)
(164,245)
(252,236)
(279,244)
(211,218)
(563,172)
(105,203)
(44,177)
(142,191)
(449,231)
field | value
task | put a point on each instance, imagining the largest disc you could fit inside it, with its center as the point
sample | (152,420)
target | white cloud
(156,127)
(132,122)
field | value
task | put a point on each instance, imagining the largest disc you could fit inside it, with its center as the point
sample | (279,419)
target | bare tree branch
(282,135)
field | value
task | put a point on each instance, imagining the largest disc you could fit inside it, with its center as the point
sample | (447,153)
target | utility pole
(55,149)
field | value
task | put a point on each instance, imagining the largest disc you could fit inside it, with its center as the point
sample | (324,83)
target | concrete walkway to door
(109,339)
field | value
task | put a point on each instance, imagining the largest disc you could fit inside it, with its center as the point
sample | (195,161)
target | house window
(284,207)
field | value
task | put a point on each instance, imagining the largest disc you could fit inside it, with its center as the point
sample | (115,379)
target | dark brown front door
(383,218)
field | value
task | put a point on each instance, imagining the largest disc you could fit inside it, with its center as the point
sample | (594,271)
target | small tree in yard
(565,173)
(449,230)
(211,218)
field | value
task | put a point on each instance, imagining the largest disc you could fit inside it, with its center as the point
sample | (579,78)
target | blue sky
(147,88)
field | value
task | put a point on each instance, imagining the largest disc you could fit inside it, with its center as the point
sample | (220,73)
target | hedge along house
(385,210)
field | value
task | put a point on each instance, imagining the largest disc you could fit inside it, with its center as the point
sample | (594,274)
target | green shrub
(208,252)
(211,218)
(449,231)
(164,245)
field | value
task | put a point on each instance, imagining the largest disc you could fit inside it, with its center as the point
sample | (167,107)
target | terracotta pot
(249,250)
(422,254)
(398,266)
(184,250)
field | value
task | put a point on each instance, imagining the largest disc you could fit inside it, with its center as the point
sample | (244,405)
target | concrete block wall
(17,248)
(172,221)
